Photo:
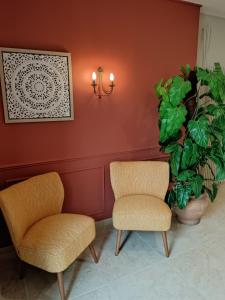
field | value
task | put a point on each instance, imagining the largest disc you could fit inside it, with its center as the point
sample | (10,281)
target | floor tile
(158,282)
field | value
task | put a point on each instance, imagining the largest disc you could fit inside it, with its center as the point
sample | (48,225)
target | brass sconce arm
(97,84)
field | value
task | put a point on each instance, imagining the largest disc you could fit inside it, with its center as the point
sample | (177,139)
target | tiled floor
(195,269)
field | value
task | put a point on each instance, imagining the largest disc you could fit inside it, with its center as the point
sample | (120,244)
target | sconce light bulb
(111,77)
(94,76)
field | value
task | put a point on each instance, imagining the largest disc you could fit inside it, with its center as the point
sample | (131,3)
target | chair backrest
(27,202)
(139,177)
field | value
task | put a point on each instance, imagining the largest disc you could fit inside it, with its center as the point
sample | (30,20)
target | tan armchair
(139,189)
(42,235)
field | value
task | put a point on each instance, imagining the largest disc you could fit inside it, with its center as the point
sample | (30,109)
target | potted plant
(192,133)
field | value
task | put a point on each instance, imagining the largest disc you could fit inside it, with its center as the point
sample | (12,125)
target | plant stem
(210,168)
(186,101)
(197,104)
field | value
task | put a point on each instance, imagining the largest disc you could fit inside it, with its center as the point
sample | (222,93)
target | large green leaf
(220,167)
(203,75)
(217,155)
(186,175)
(215,80)
(217,130)
(178,90)
(190,154)
(172,139)
(194,180)
(196,185)
(216,110)
(182,193)
(217,83)
(199,130)
(212,192)
(168,83)
(161,91)
(186,70)
(217,150)
(216,134)
(171,119)
(220,174)
(219,122)
(175,161)
(203,156)
(223,139)
(170,197)
(171,148)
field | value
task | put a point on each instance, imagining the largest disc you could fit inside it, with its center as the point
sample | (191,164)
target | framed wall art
(36,85)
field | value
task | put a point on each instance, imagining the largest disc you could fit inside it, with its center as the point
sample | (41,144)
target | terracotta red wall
(140,41)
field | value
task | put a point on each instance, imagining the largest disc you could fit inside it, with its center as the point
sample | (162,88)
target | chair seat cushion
(54,242)
(141,212)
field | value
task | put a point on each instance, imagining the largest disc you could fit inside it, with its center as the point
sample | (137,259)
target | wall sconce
(97,83)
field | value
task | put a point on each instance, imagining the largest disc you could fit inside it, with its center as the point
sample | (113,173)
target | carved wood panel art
(36,85)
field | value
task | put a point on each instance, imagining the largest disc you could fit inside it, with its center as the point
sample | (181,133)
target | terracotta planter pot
(193,212)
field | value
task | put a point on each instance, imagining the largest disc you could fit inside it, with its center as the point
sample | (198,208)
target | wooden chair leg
(93,253)
(61,285)
(118,241)
(164,236)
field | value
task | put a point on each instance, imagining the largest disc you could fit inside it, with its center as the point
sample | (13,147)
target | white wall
(211,41)
(211,49)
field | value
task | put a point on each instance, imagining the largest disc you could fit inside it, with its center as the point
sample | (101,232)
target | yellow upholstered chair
(42,235)
(139,188)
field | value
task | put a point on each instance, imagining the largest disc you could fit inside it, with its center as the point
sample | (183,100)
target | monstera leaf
(186,175)
(217,83)
(218,157)
(171,148)
(213,192)
(161,91)
(175,160)
(190,154)
(171,197)
(178,90)
(203,75)
(216,110)
(182,193)
(193,179)
(215,80)
(171,119)
(219,122)
(199,130)
(196,185)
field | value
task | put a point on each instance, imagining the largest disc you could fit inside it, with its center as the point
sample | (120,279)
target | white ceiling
(211,7)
